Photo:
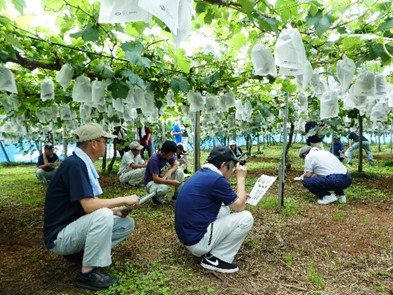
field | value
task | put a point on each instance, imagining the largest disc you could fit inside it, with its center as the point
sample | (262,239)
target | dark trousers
(321,186)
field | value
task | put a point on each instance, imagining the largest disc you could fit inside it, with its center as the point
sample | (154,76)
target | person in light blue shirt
(178,130)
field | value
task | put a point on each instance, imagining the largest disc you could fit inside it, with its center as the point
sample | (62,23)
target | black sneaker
(75,258)
(213,263)
(94,280)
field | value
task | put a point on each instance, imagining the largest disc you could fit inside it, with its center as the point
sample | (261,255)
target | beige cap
(91,131)
(135,146)
(232,142)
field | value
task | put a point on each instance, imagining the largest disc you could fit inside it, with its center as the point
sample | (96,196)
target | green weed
(336,263)
(314,277)
(289,257)
(155,279)
(381,273)
(290,205)
(358,192)
(338,215)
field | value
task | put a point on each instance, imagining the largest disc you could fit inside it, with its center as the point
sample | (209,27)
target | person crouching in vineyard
(77,223)
(324,173)
(162,172)
(210,217)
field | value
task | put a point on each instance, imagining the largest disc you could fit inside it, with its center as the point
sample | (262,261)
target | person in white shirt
(132,166)
(324,173)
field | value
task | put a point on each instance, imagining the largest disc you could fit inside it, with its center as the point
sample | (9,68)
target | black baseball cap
(221,154)
(48,147)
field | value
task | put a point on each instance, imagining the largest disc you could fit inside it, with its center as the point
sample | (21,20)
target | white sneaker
(342,199)
(327,199)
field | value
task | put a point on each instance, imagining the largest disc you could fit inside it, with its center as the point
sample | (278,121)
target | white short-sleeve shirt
(323,163)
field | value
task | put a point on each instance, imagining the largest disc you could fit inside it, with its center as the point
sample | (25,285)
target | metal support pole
(4,151)
(360,163)
(281,174)
(197,140)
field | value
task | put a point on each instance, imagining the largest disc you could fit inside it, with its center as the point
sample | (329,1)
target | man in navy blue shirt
(203,219)
(77,223)
(46,164)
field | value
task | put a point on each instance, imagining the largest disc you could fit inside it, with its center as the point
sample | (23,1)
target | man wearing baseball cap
(132,166)
(235,149)
(77,223)
(46,164)
(203,219)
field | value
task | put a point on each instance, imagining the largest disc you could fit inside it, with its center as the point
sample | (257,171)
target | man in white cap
(132,166)
(235,149)
(324,173)
(77,223)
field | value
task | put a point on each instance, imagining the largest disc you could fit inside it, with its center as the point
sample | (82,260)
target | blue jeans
(320,186)
(365,146)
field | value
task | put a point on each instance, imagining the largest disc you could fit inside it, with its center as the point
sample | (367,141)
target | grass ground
(304,248)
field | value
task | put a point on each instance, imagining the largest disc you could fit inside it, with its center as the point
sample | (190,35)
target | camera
(243,159)
(242,162)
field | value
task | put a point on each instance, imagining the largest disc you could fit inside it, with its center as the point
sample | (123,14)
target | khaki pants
(133,177)
(162,189)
